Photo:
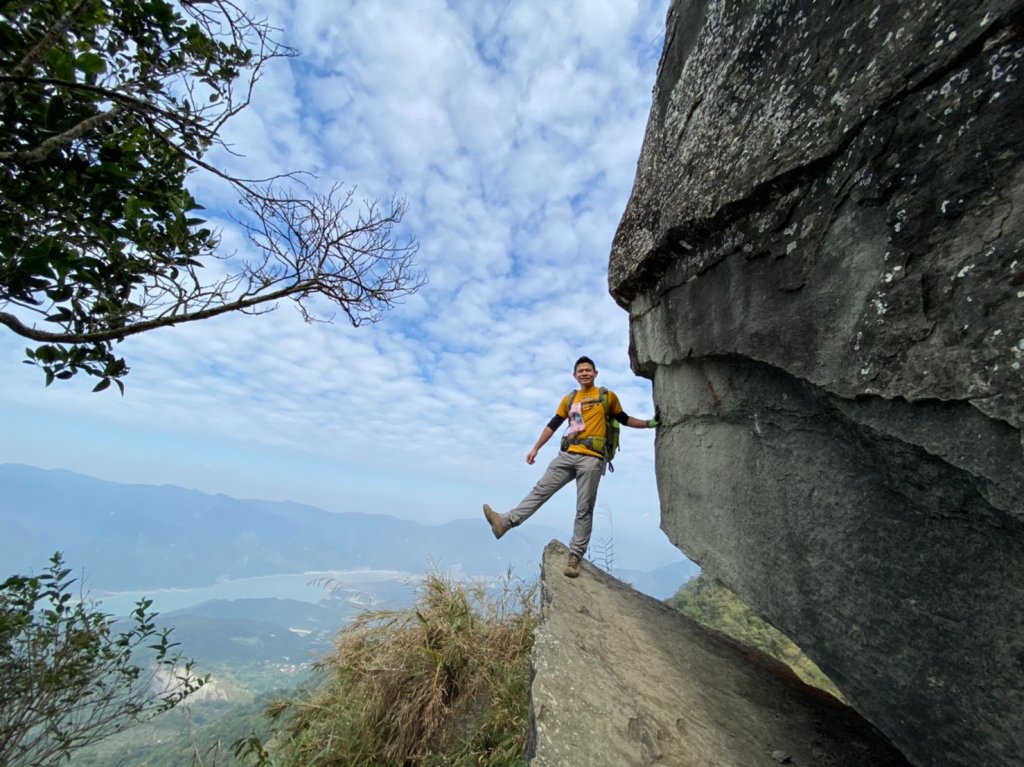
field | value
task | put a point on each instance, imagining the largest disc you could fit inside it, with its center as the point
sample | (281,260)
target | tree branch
(47,41)
(117,333)
(138,105)
(40,152)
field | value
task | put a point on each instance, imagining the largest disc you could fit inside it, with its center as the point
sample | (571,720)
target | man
(581,458)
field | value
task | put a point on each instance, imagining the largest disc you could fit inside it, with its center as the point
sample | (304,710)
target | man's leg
(557,476)
(588,477)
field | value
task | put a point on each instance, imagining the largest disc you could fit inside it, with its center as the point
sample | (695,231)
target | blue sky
(513,131)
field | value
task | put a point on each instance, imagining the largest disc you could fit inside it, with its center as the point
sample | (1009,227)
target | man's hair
(581,360)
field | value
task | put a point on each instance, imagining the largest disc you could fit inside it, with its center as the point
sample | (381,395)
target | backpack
(607,446)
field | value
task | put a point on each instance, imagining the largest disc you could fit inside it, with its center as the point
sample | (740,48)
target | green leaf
(61,315)
(132,207)
(46,354)
(101,385)
(62,64)
(91,63)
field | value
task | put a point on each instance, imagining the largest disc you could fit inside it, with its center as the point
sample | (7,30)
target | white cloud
(513,129)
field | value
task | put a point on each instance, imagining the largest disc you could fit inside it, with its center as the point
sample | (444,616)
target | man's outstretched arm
(637,423)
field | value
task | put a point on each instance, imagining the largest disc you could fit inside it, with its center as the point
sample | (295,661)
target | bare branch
(308,250)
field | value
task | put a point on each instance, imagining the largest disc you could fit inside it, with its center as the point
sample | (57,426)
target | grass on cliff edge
(445,682)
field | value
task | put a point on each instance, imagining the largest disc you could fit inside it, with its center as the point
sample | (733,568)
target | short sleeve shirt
(586,416)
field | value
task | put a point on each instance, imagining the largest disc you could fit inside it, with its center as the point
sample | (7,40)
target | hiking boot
(498,525)
(572,569)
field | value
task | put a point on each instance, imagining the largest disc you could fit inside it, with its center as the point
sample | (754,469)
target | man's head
(584,371)
(584,361)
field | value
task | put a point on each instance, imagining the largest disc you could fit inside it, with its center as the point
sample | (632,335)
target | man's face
(585,374)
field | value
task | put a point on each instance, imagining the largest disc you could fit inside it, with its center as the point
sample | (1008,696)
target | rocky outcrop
(822,263)
(622,680)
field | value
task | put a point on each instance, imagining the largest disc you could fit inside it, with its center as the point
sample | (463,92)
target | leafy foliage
(443,683)
(67,679)
(710,603)
(106,108)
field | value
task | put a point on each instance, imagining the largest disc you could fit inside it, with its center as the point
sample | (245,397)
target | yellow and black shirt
(587,418)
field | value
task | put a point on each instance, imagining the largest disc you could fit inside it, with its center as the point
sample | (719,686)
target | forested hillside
(199,734)
(713,605)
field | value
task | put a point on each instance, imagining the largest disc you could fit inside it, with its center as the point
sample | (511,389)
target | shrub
(445,682)
(67,679)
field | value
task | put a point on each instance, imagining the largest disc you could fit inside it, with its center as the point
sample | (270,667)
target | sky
(513,131)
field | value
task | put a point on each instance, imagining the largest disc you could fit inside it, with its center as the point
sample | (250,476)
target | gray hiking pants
(586,470)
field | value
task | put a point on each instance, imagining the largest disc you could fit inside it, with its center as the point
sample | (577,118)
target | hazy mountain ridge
(147,536)
(658,583)
(128,536)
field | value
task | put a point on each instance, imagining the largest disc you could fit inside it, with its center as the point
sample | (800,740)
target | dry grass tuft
(443,683)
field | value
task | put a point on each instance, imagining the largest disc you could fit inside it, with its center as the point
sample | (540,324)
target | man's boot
(498,525)
(572,569)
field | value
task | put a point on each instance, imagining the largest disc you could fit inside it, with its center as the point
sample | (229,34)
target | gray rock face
(822,260)
(622,680)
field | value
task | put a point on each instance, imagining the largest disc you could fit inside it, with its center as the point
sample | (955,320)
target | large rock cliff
(623,680)
(822,263)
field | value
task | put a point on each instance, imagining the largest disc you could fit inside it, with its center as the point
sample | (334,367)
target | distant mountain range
(145,536)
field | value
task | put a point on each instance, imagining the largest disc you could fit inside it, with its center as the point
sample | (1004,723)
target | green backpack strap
(611,432)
